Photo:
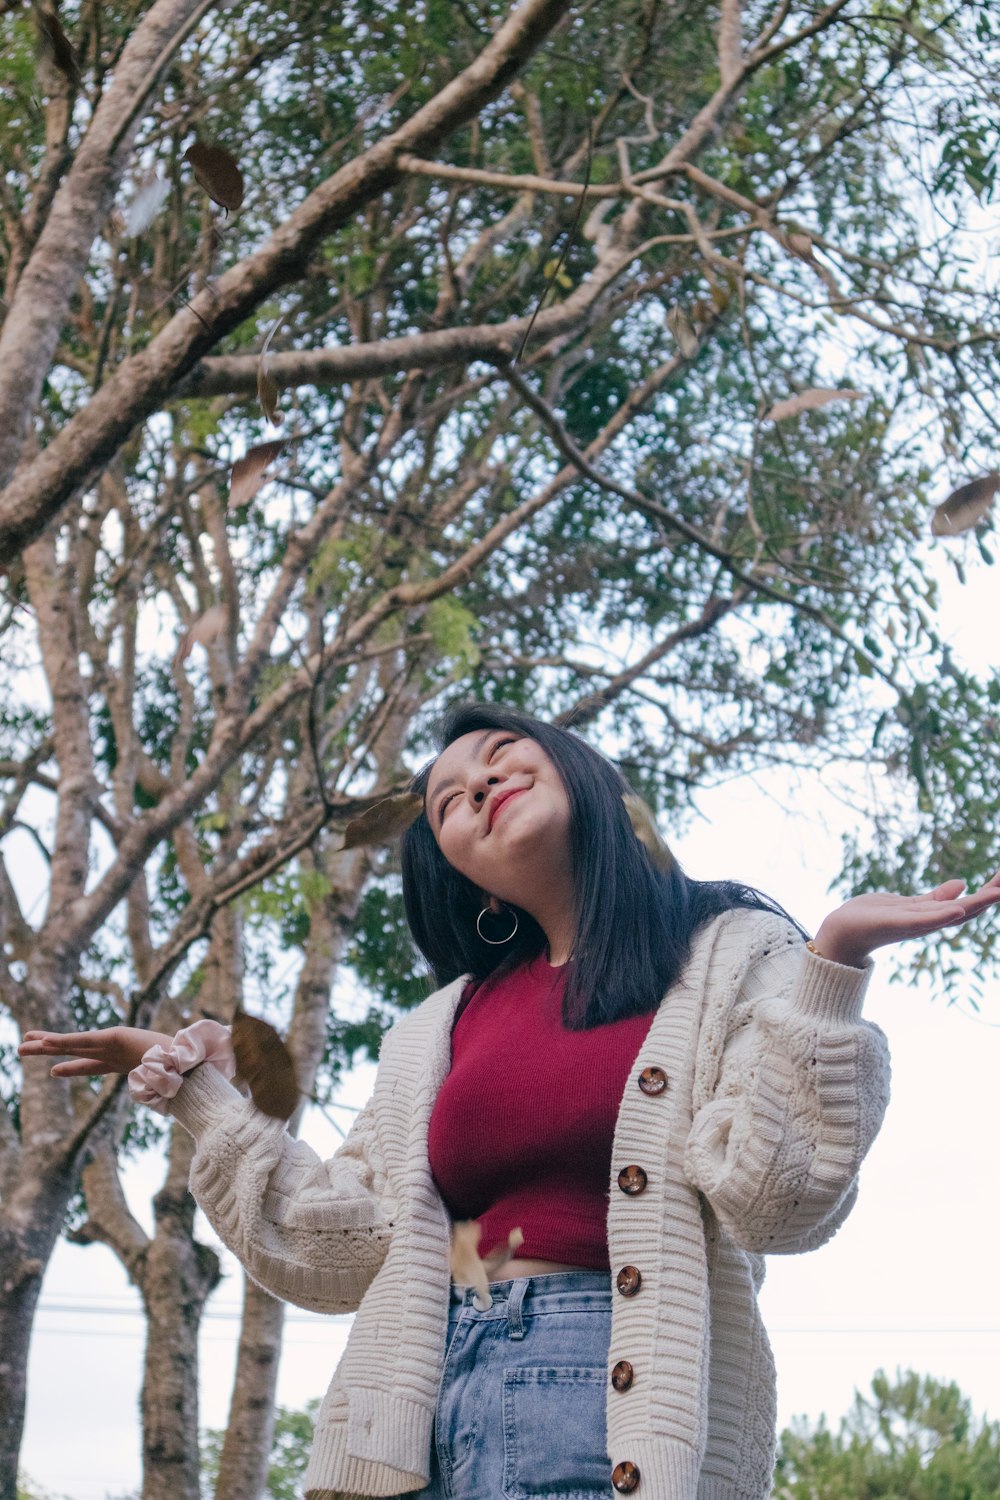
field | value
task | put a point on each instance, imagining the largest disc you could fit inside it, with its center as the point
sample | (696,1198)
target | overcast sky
(909,1282)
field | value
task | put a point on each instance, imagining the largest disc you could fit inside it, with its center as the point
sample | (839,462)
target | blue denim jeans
(521,1410)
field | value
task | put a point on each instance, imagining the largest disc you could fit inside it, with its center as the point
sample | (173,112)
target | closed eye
(442,809)
(496,745)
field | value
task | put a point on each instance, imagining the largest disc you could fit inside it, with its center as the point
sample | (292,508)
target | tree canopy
(911,1438)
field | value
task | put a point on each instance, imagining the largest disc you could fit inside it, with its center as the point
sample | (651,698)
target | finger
(80,1067)
(979,903)
(70,1043)
(947,890)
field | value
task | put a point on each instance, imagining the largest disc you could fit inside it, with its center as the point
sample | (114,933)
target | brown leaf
(267,392)
(966,506)
(800,243)
(685,336)
(208,627)
(644,827)
(467,1269)
(265,1065)
(809,400)
(56,44)
(249,472)
(501,1253)
(386,820)
(217,172)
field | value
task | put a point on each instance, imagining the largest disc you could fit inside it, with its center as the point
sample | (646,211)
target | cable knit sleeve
(799,1097)
(311,1232)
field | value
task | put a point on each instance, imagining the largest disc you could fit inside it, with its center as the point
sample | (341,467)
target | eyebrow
(487,734)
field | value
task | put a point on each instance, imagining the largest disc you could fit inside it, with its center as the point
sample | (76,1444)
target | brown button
(652,1080)
(622,1375)
(632,1180)
(628,1281)
(625,1478)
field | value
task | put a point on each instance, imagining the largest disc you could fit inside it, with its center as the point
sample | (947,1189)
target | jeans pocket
(555,1433)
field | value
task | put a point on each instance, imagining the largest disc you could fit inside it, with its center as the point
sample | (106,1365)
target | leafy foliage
(293,1433)
(912,1438)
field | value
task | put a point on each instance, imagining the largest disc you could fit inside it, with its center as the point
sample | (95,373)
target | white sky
(910,1281)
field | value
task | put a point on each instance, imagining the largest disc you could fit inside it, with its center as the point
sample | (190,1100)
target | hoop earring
(495,942)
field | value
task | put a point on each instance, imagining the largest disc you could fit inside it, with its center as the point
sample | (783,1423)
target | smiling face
(500,814)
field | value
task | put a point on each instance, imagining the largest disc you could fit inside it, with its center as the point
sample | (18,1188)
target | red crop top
(522,1128)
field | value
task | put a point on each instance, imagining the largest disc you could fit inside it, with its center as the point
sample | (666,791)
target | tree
(293,1435)
(913,1438)
(218,652)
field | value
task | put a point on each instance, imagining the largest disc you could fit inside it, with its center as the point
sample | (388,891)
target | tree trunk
(246,1448)
(29,1228)
(176,1279)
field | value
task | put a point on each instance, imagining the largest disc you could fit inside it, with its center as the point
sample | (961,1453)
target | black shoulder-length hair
(634,923)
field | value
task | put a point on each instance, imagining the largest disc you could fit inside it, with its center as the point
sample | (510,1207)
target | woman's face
(499,811)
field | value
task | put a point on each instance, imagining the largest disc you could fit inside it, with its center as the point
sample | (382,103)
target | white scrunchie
(159,1076)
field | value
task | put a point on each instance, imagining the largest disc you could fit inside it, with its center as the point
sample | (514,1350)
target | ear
(493,902)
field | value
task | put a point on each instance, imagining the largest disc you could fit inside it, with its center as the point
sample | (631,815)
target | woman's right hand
(116,1049)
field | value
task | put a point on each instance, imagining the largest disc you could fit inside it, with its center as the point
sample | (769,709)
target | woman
(622,1025)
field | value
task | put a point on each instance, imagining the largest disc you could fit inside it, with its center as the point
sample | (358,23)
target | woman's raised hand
(116,1049)
(850,933)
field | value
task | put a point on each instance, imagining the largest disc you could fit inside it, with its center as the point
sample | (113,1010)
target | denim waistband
(557,1291)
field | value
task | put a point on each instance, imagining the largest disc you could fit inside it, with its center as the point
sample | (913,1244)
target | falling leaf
(249,472)
(501,1253)
(720,296)
(207,628)
(267,392)
(552,272)
(966,506)
(467,1269)
(57,44)
(265,1065)
(218,173)
(150,196)
(644,827)
(809,401)
(385,821)
(680,326)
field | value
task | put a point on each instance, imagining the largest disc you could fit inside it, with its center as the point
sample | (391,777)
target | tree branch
(41,301)
(730,42)
(593,703)
(110,1221)
(751,580)
(140,385)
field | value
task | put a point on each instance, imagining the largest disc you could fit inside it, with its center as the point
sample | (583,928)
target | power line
(96,1306)
(228,1315)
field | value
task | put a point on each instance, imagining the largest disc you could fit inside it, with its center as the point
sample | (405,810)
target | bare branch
(730,42)
(523,182)
(236,374)
(593,703)
(110,1221)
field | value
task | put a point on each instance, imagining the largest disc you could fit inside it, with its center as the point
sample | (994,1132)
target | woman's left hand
(849,934)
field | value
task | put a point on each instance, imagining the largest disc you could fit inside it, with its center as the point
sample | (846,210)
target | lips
(498,802)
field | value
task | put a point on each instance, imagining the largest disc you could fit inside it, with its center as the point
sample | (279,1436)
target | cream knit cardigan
(776,1089)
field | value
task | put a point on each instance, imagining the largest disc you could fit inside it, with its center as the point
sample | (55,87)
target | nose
(479,785)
